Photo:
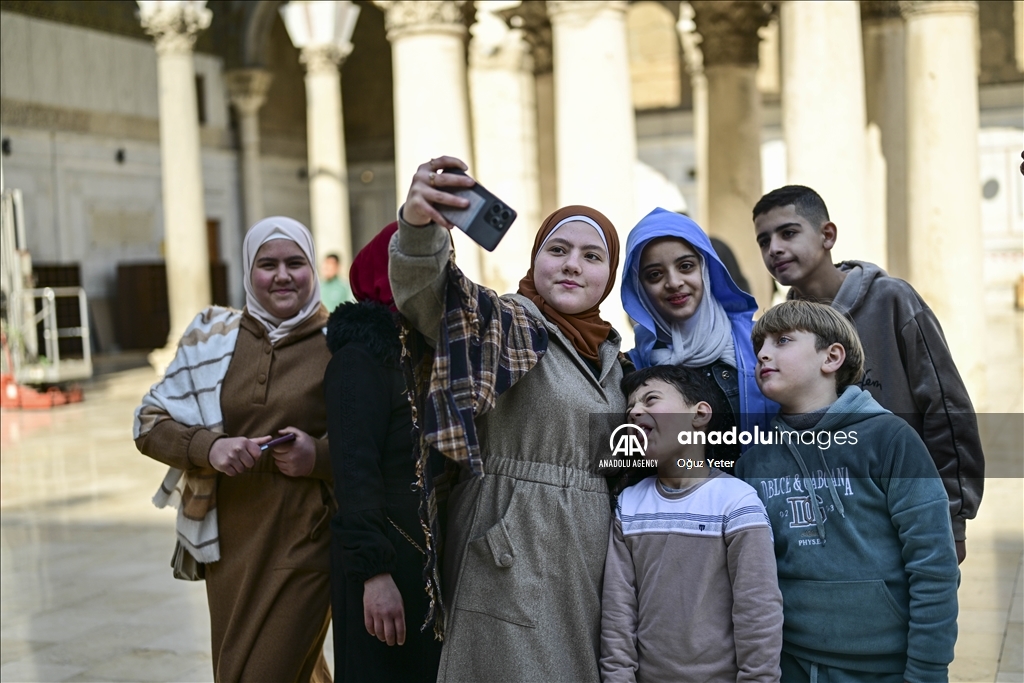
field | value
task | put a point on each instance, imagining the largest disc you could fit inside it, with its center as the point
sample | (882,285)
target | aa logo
(628,441)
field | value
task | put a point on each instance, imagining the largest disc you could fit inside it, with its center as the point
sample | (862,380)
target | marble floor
(86,593)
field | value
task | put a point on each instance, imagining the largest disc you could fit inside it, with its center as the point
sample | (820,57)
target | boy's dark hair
(806,201)
(827,325)
(689,382)
(333,257)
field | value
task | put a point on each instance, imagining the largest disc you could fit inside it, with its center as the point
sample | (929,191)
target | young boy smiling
(690,592)
(866,562)
(907,365)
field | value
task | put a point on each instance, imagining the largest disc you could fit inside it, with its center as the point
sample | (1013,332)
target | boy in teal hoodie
(866,561)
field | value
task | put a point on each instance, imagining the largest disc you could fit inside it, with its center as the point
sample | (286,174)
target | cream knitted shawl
(189,394)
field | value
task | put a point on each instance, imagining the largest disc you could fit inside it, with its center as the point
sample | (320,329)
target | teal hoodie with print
(866,561)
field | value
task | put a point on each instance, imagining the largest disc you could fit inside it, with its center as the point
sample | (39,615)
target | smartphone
(485,220)
(287,438)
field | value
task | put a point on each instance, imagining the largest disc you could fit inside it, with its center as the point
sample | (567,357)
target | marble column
(532,19)
(174,28)
(325,141)
(428,49)
(248,91)
(547,151)
(730,46)
(943,202)
(886,103)
(823,117)
(502,99)
(594,119)
(693,58)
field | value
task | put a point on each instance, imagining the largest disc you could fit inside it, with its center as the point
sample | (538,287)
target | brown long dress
(270,592)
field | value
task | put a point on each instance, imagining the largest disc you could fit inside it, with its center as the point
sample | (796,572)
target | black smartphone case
(485,220)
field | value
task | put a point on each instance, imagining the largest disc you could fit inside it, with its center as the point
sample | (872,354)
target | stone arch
(257,25)
(655,55)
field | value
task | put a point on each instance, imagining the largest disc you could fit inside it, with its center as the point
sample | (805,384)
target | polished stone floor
(87,593)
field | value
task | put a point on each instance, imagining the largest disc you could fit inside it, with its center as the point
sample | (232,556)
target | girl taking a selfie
(512,383)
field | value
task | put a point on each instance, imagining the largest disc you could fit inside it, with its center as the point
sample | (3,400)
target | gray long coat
(524,558)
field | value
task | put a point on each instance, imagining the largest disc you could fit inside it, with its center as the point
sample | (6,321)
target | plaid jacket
(485,345)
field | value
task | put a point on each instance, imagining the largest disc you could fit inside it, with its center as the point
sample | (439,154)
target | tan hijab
(585,330)
(278,228)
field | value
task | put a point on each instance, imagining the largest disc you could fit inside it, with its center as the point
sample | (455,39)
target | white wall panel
(76,68)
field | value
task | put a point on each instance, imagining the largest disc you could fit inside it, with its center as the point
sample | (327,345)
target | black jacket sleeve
(358,413)
(950,426)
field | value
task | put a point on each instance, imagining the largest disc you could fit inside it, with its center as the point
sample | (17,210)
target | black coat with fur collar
(369,426)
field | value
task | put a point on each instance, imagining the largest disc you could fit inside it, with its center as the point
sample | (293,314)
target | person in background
(377,542)
(334,290)
(731,264)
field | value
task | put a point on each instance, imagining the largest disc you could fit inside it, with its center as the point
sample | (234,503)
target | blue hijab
(739,307)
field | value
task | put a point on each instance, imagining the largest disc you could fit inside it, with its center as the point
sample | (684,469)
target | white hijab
(278,228)
(702,339)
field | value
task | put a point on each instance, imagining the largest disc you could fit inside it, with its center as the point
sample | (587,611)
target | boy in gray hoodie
(908,367)
(863,542)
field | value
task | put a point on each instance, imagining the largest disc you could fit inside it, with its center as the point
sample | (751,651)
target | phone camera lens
(496,208)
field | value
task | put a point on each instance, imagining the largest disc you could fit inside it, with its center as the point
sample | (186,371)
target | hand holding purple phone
(287,438)
(294,452)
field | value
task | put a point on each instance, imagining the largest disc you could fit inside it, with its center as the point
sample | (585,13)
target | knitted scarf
(189,394)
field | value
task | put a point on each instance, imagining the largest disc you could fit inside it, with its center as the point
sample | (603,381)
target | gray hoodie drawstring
(809,486)
(831,481)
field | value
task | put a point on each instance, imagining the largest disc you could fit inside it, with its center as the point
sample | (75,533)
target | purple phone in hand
(287,438)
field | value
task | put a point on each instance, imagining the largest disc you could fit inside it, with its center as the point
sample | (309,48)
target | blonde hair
(826,324)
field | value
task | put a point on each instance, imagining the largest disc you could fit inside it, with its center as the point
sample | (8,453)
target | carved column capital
(729,29)
(512,53)
(879,10)
(915,8)
(582,8)
(402,17)
(175,28)
(693,56)
(248,88)
(318,58)
(532,19)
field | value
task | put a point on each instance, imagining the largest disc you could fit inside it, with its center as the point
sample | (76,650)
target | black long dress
(369,425)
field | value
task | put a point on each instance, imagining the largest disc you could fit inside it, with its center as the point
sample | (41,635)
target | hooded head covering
(723,304)
(586,330)
(278,228)
(368,275)
(701,339)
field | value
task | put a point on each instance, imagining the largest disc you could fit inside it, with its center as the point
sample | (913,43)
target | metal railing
(48,367)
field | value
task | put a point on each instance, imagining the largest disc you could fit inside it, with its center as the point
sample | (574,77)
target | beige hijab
(278,228)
